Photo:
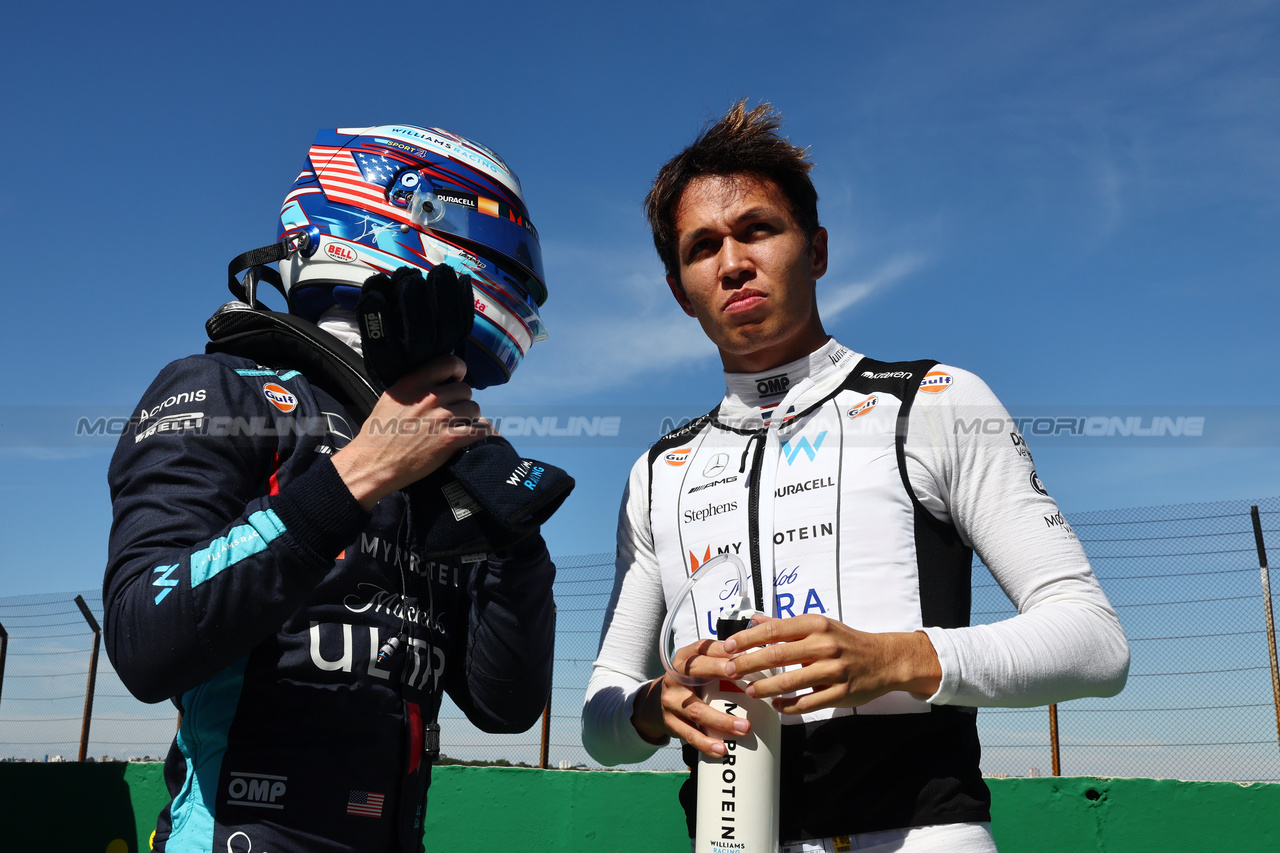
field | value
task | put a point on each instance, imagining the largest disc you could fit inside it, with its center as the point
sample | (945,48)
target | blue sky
(1078,201)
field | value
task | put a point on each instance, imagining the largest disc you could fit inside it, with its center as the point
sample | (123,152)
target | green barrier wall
(111,808)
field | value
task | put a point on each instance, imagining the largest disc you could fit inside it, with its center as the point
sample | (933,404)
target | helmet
(374,199)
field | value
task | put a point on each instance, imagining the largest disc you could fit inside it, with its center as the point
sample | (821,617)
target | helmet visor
(485,222)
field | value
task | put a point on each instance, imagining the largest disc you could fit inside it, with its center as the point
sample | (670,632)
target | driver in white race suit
(856,491)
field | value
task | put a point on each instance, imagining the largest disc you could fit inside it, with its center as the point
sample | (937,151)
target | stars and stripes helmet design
(375,199)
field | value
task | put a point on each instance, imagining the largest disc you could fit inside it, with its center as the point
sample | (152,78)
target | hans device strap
(248,329)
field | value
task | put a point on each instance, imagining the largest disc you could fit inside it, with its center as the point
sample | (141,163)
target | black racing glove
(486,497)
(406,320)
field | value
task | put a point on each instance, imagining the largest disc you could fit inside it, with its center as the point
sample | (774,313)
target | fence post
(546,732)
(4,651)
(1271,625)
(1053,739)
(93,675)
(546,714)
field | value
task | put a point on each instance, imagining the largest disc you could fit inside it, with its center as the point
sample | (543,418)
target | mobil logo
(340,252)
(936,381)
(863,407)
(256,789)
(280,397)
(792,449)
(676,458)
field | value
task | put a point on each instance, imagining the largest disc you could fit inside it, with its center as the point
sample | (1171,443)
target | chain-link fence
(1185,579)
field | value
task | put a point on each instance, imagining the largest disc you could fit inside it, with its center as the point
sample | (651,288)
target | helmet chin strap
(254,260)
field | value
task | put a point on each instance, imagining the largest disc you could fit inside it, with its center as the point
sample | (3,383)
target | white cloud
(835,301)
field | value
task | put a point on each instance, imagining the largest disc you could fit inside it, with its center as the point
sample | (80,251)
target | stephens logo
(340,252)
(708,511)
(280,397)
(863,407)
(935,382)
(676,458)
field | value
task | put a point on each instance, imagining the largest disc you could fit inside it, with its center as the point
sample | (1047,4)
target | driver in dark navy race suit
(281,566)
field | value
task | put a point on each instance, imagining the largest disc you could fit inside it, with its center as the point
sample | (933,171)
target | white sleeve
(968,465)
(628,655)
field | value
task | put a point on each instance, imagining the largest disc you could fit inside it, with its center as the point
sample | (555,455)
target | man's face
(747,271)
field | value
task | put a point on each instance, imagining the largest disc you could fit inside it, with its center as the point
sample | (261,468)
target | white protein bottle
(738,792)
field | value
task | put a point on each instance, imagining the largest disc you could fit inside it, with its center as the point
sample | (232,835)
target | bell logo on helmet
(340,252)
(280,397)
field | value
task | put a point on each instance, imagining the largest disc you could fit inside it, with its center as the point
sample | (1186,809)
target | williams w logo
(791,451)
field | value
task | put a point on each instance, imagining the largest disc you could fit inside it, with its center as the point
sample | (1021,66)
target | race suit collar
(758,393)
(342,324)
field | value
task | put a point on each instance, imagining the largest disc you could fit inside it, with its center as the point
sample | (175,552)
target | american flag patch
(365,803)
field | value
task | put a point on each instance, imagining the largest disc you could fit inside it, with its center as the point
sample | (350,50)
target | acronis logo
(793,449)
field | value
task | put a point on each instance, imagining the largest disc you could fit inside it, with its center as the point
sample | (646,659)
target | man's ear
(683,298)
(818,250)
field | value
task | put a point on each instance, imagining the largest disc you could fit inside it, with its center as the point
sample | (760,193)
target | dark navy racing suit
(245,583)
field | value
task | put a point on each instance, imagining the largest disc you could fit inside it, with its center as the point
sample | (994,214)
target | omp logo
(935,382)
(772,386)
(695,563)
(167,583)
(256,789)
(677,458)
(717,464)
(280,397)
(340,252)
(791,451)
(864,407)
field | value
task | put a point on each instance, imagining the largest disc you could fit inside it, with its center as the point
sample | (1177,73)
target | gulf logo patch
(677,458)
(864,407)
(935,382)
(280,397)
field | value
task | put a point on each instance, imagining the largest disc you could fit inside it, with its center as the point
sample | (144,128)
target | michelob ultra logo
(678,457)
(280,397)
(863,407)
(935,382)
